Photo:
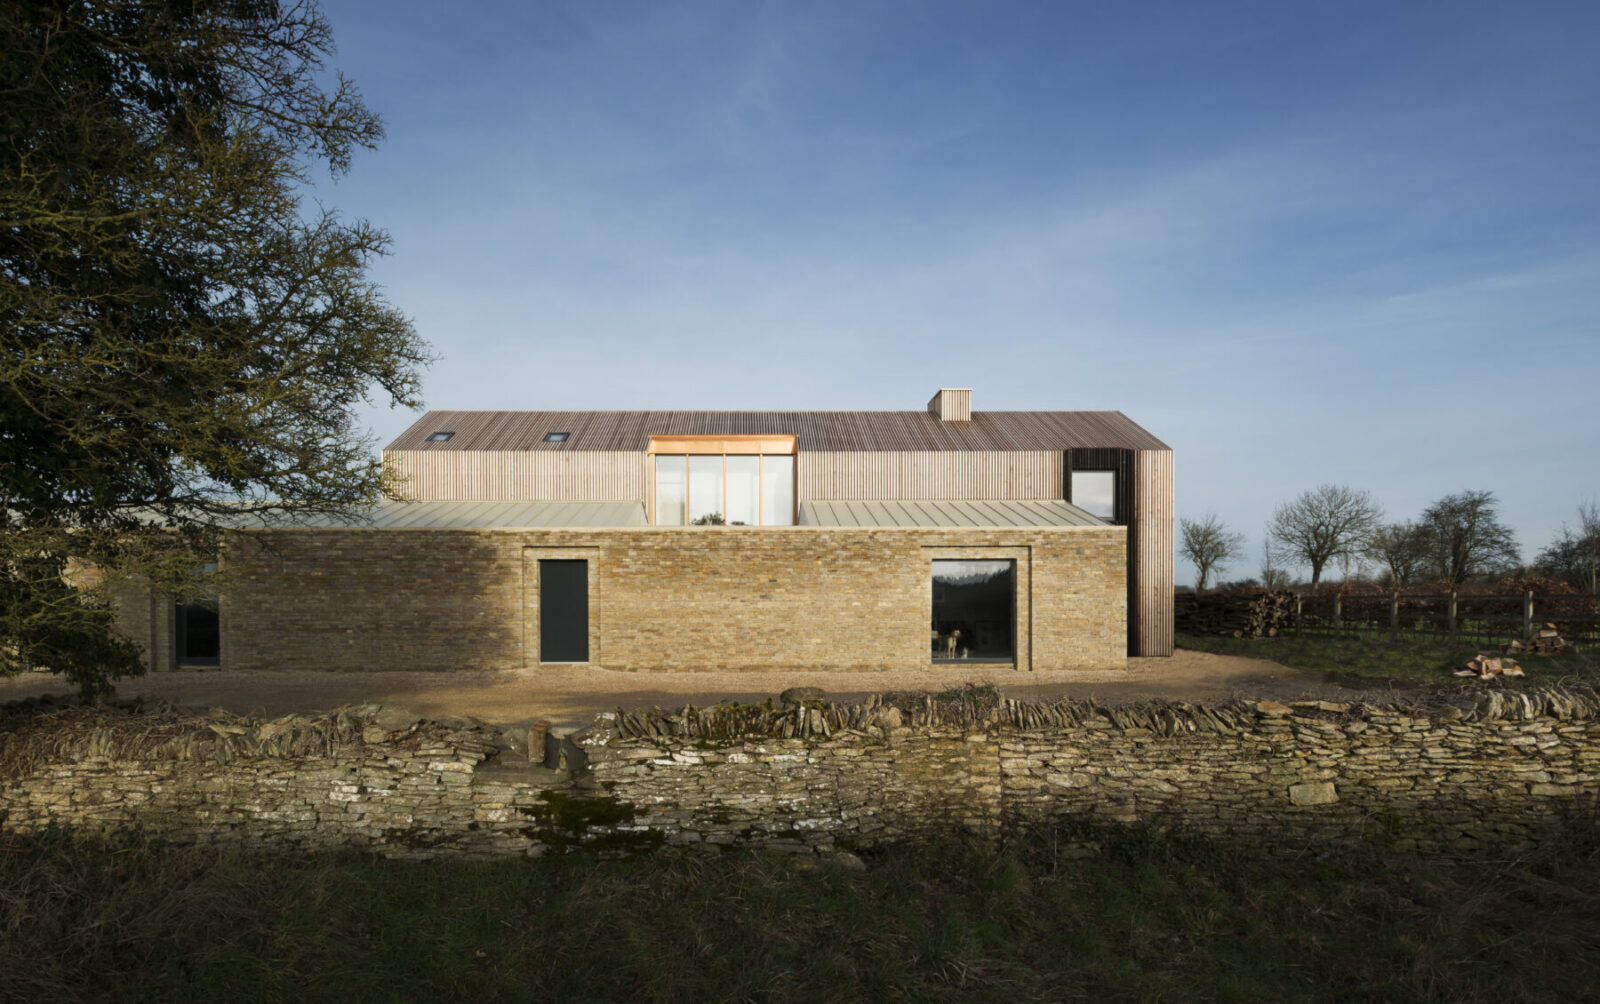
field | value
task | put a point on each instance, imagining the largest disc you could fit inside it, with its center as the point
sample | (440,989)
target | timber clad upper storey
(501,455)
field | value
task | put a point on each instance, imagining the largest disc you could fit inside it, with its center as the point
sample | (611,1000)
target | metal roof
(827,431)
(467,514)
(985,512)
(448,514)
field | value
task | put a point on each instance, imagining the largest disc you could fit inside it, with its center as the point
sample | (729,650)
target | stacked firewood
(1487,666)
(1546,641)
(1242,615)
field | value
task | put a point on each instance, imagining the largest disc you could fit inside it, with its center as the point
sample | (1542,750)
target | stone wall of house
(1501,772)
(661,598)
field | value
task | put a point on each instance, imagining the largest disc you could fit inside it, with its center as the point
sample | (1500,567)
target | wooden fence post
(1527,616)
(1338,611)
(1394,616)
(1452,613)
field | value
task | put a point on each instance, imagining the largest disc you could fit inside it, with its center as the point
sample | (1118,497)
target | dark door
(564,611)
(199,641)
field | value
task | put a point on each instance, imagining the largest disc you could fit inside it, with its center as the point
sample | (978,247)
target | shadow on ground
(574,695)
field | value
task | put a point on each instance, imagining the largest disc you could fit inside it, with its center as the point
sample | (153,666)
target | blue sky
(1301,242)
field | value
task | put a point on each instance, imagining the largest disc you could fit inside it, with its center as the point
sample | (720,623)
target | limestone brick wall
(147,621)
(662,598)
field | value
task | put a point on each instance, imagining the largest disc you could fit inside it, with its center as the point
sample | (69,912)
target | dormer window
(440,437)
(723,480)
(556,437)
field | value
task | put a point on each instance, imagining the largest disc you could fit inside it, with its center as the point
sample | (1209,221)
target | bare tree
(1272,577)
(1321,525)
(1465,537)
(1401,549)
(1209,546)
(1576,556)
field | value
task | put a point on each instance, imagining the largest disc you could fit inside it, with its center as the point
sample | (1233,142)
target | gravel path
(573,696)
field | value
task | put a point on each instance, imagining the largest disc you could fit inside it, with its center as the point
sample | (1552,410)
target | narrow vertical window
(743,490)
(564,610)
(671,490)
(705,489)
(197,629)
(777,491)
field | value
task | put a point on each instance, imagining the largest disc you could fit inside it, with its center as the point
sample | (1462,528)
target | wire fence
(1458,617)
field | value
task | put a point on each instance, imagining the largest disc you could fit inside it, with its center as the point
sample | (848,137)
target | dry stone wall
(1498,772)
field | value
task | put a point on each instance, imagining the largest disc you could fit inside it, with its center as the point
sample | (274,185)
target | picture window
(974,611)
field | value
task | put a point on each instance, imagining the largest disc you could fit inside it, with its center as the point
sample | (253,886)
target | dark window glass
(564,611)
(974,611)
(199,637)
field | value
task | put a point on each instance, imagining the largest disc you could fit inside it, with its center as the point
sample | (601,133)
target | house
(940,538)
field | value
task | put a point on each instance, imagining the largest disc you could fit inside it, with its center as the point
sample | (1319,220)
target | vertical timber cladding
(1145,506)
(1153,518)
(517,475)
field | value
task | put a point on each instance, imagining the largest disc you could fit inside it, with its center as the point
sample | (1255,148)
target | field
(1152,916)
(1363,659)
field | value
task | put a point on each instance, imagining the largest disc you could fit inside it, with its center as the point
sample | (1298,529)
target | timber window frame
(769,488)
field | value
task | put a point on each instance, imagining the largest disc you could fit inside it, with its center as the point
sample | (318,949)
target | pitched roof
(630,431)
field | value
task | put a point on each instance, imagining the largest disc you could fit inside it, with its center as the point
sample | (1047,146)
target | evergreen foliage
(182,341)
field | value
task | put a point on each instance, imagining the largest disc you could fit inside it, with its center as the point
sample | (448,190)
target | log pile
(1487,666)
(1241,615)
(1546,641)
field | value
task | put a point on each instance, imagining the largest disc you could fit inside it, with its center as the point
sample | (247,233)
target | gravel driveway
(571,696)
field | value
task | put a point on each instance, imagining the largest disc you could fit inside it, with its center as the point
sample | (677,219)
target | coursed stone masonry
(661,598)
(1501,772)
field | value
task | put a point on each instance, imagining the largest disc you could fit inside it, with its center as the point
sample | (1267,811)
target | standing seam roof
(961,512)
(824,431)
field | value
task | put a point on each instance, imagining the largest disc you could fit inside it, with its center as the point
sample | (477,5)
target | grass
(1151,917)
(1374,657)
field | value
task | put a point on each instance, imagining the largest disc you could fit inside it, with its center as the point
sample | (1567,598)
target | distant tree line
(1458,538)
